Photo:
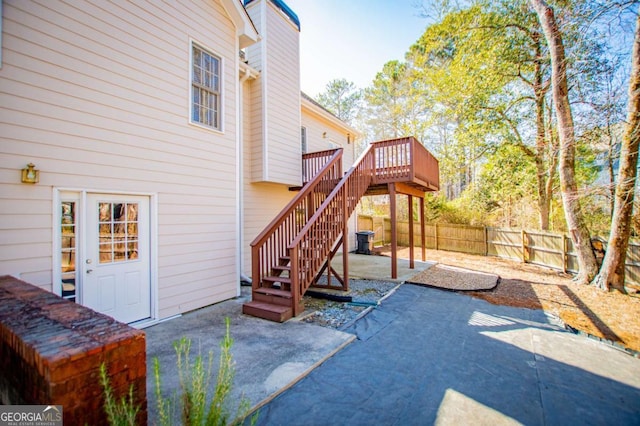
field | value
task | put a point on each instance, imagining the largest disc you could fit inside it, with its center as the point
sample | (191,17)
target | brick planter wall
(51,350)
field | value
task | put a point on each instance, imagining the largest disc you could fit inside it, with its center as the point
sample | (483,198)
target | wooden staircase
(298,245)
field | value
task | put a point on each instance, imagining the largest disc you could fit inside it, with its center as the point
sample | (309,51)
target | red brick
(51,351)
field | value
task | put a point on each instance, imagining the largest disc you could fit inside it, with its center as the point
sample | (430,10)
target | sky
(352,39)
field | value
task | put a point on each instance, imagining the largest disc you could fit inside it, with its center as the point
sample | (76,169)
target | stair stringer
(312,247)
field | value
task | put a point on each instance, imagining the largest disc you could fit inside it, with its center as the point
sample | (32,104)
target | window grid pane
(205,97)
(118,232)
(68,249)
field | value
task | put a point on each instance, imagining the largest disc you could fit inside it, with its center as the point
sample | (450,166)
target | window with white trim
(205,88)
(68,248)
(303,139)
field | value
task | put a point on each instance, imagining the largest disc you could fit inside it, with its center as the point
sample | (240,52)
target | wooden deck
(290,254)
(405,162)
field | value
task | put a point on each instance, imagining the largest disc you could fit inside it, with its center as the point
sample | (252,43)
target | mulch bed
(335,314)
(452,278)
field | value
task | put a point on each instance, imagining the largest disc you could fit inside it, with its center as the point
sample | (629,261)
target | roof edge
(245,29)
(312,104)
(284,8)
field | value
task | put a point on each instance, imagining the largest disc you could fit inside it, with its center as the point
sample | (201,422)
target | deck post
(345,241)
(411,248)
(394,231)
(422,231)
(296,297)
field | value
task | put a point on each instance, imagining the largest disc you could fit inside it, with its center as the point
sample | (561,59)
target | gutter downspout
(247,74)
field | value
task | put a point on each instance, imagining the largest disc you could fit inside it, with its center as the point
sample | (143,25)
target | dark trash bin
(365,242)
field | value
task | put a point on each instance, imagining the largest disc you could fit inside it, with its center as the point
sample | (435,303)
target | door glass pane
(132,230)
(119,252)
(104,212)
(68,249)
(132,250)
(118,229)
(106,254)
(132,212)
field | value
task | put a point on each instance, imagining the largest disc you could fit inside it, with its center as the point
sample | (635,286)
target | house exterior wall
(277,57)
(324,133)
(262,201)
(97,96)
(255,118)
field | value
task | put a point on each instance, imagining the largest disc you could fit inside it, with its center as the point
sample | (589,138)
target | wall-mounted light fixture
(30,174)
(324,135)
(348,138)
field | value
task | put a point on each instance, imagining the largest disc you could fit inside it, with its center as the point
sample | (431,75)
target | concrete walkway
(269,357)
(423,356)
(379,267)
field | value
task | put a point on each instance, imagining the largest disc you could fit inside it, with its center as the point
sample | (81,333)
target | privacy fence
(554,250)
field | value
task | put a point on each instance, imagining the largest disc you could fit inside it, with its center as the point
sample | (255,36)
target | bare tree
(612,273)
(568,186)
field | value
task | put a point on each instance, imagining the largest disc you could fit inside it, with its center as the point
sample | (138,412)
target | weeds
(119,413)
(193,404)
(195,378)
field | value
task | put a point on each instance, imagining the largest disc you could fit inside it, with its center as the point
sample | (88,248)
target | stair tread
(273,279)
(282,268)
(268,311)
(268,306)
(273,292)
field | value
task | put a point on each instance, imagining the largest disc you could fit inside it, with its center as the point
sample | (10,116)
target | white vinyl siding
(322,135)
(277,150)
(283,99)
(95,94)
(1,33)
(256,130)
(303,140)
(253,112)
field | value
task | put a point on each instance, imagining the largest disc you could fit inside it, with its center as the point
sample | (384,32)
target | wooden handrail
(270,246)
(313,162)
(426,167)
(405,159)
(312,225)
(310,248)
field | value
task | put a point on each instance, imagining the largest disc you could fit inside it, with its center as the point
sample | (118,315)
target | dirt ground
(611,316)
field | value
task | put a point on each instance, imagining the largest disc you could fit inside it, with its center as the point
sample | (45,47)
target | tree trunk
(612,178)
(544,199)
(541,171)
(568,186)
(612,273)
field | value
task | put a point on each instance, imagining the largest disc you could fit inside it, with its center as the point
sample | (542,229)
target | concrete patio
(271,358)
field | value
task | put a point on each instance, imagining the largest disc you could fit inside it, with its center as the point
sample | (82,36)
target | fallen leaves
(611,316)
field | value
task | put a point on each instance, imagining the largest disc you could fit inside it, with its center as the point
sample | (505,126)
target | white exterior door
(116,278)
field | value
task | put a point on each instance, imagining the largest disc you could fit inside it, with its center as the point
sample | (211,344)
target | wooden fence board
(505,243)
(545,249)
(553,250)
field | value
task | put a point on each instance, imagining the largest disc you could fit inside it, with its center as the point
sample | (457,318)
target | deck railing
(405,160)
(313,162)
(312,246)
(307,232)
(270,247)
